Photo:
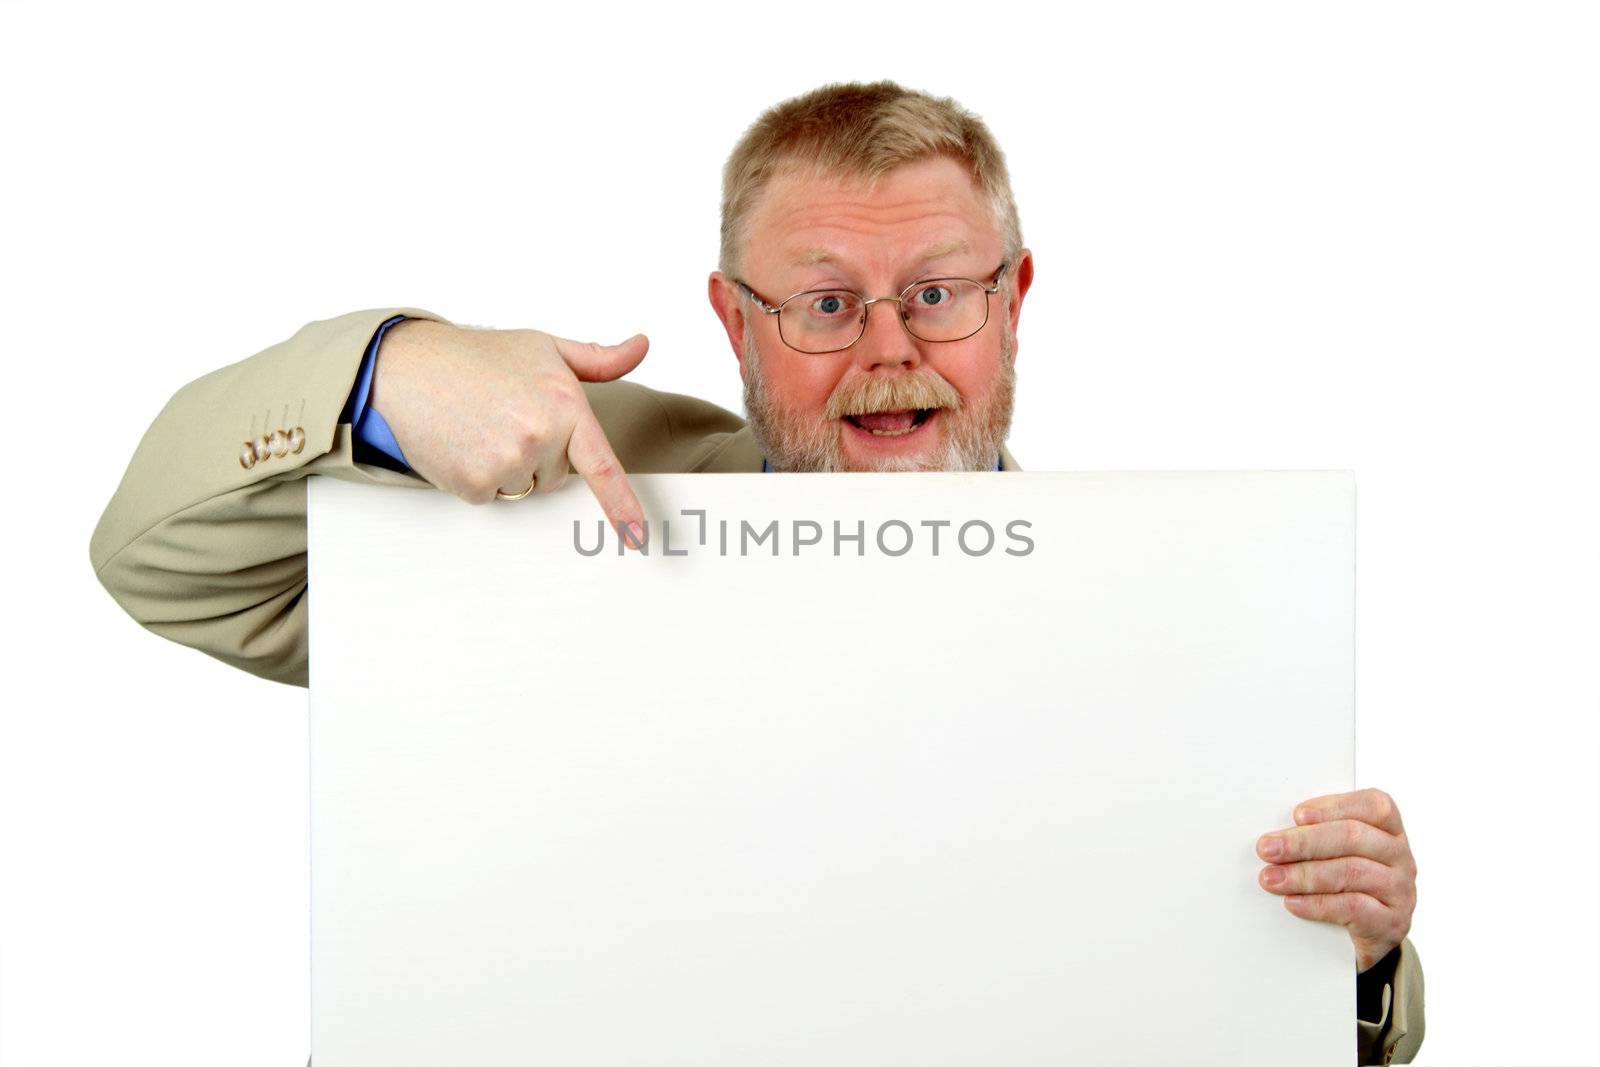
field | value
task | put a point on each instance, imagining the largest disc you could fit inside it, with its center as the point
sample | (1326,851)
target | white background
(1267,236)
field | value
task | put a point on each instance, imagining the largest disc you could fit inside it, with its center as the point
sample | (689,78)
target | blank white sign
(789,795)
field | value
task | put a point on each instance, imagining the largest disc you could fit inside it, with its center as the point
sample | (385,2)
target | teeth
(916,423)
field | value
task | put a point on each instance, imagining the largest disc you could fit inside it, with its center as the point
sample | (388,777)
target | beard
(797,441)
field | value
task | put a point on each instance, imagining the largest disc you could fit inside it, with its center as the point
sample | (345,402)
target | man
(871,279)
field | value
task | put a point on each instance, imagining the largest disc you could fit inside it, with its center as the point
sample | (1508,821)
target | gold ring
(518,496)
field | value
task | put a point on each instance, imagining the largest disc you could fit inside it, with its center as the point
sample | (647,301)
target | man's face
(890,401)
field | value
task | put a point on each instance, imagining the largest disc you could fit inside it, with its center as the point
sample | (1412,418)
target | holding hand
(1346,860)
(480,411)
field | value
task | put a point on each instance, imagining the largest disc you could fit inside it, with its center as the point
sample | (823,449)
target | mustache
(866,393)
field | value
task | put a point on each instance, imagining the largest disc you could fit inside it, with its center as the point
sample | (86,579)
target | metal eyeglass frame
(866,305)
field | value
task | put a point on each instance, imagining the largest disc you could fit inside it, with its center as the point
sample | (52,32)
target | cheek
(806,386)
(973,373)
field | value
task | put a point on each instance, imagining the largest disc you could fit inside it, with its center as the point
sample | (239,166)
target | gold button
(247,455)
(279,443)
(297,440)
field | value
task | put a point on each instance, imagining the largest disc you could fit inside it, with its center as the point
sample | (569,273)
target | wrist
(403,345)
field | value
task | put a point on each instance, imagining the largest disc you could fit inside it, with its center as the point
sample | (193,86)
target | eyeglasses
(818,321)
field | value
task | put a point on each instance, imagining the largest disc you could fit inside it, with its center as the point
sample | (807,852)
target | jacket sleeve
(208,552)
(211,553)
(1395,1032)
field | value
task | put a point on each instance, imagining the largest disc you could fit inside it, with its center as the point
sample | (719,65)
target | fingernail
(1273,876)
(635,535)
(1307,815)
(1271,848)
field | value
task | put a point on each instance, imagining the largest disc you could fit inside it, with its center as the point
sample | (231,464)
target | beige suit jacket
(212,555)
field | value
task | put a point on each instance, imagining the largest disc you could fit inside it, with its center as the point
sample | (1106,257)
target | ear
(728,302)
(1022,278)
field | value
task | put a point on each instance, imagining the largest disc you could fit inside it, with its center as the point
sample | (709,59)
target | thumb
(602,363)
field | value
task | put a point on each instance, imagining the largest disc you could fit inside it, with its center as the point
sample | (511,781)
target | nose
(886,342)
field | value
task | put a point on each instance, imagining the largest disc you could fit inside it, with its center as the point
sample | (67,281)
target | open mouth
(891,423)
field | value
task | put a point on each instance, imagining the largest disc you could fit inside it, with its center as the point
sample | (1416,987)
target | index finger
(1371,806)
(597,464)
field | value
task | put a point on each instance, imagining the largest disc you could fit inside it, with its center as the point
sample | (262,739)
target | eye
(831,305)
(933,295)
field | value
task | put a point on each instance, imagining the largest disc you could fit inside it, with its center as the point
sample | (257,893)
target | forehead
(929,209)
